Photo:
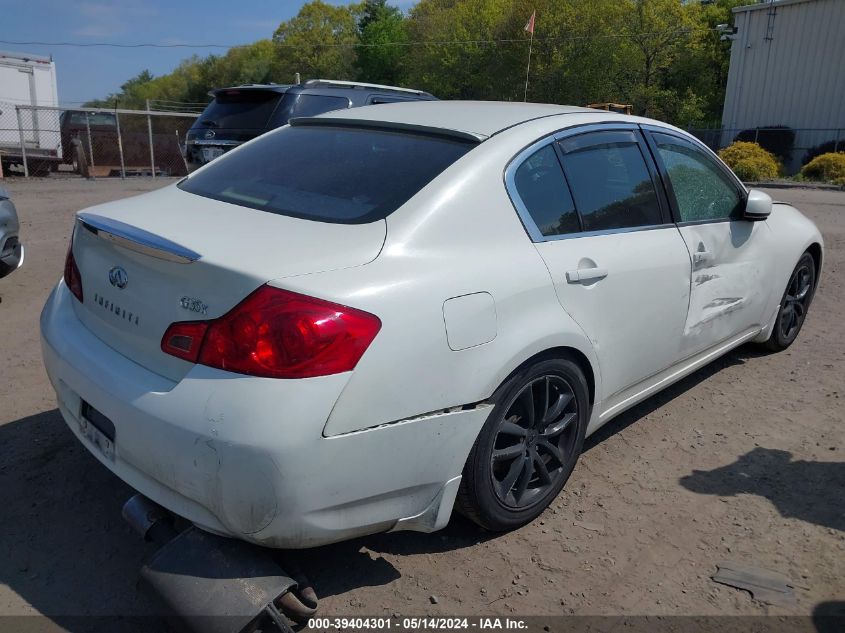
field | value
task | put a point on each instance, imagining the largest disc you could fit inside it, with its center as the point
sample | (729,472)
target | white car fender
(793,234)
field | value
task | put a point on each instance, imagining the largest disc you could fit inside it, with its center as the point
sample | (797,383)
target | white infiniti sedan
(359,321)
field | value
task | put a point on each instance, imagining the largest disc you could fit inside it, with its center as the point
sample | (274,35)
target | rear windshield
(240,109)
(329,174)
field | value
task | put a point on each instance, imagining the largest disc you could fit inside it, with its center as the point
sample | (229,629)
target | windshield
(329,174)
(240,109)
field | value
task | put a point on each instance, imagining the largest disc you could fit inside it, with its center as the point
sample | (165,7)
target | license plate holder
(210,153)
(97,429)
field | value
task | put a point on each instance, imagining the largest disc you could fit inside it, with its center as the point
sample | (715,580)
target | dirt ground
(744,461)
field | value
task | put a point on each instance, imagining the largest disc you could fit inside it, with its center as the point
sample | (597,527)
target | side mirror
(758,205)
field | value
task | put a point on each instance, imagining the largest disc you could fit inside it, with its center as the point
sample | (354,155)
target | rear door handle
(585,274)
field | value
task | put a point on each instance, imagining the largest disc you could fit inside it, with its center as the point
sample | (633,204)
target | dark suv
(241,113)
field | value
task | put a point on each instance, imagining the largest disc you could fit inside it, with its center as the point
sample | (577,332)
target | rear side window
(312,105)
(610,182)
(542,188)
(295,105)
(376,99)
(329,174)
(240,109)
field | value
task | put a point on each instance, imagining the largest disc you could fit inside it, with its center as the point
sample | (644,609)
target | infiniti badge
(118,277)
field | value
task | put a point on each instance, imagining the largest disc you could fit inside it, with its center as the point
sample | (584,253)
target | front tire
(528,447)
(794,305)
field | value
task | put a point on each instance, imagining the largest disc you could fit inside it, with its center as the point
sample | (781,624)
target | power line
(685,31)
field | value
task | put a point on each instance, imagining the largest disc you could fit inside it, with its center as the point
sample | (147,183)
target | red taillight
(184,339)
(277,334)
(73,280)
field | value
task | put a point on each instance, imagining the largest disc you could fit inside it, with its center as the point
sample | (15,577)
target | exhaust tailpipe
(211,584)
(149,520)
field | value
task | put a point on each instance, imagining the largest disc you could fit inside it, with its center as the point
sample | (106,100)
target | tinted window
(702,190)
(299,105)
(376,99)
(329,174)
(240,109)
(610,181)
(312,105)
(542,188)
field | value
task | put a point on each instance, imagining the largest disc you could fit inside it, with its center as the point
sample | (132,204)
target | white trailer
(28,80)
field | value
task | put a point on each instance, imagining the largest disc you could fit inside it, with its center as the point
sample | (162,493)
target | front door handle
(701,257)
(585,274)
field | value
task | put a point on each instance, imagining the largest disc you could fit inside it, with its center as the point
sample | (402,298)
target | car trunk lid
(169,255)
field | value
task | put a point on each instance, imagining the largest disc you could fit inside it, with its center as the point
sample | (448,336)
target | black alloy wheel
(794,305)
(528,446)
(533,440)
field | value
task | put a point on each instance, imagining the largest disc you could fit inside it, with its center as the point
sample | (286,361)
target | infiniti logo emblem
(118,277)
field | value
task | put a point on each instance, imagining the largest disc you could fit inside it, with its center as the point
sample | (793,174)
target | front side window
(610,182)
(328,174)
(542,188)
(702,190)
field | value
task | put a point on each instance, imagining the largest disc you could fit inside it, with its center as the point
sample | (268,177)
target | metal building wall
(788,68)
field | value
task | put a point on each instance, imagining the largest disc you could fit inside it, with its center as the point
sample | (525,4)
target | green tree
(319,41)
(703,71)
(380,53)
(458,61)
(663,56)
(655,33)
(575,52)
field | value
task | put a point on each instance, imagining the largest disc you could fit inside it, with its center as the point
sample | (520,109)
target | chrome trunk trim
(135,239)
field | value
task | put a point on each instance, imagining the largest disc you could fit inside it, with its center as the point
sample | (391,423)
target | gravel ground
(742,462)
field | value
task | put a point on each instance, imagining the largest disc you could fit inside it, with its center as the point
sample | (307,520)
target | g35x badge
(193,305)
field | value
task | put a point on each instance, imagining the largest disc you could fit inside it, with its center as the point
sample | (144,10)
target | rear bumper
(244,456)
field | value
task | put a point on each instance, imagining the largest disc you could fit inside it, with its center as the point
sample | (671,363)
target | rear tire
(528,446)
(793,305)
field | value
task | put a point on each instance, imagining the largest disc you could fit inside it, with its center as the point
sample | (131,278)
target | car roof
(477,119)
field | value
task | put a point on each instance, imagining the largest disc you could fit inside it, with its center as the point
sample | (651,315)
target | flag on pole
(529,27)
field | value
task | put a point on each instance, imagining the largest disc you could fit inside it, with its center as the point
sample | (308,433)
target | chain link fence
(794,146)
(92,142)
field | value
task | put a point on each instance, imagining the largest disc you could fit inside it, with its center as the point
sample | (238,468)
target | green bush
(826,167)
(750,162)
(823,148)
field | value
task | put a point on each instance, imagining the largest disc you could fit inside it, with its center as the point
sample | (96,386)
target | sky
(89,73)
